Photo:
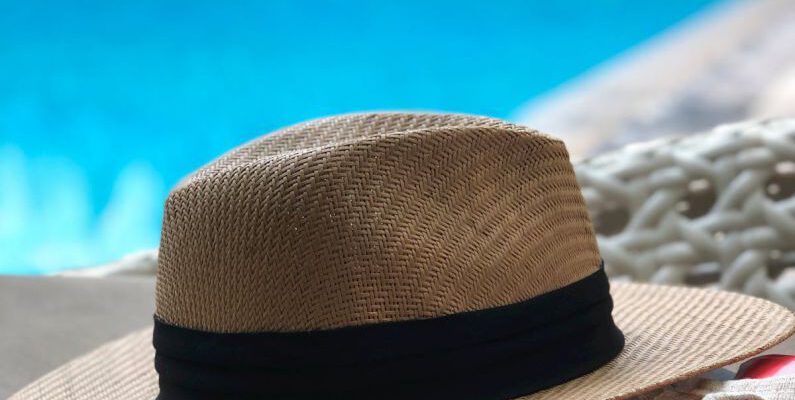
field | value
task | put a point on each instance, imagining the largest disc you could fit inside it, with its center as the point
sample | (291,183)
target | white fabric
(778,388)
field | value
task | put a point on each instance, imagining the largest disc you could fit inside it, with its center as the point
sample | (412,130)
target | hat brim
(672,333)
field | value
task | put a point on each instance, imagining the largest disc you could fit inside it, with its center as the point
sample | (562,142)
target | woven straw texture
(387,217)
(715,209)
(372,218)
(122,369)
(672,334)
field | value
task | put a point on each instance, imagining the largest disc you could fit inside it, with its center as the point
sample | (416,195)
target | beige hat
(403,256)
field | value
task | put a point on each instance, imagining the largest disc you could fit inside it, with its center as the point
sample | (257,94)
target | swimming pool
(104,106)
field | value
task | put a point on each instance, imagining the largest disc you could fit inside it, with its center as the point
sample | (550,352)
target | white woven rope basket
(714,209)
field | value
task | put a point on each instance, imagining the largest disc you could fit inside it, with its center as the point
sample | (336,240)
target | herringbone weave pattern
(372,218)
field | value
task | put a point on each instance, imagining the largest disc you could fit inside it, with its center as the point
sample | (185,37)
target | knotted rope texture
(714,209)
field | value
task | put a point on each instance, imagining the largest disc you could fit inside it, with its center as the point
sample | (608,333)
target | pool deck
(47,321)
(732,62)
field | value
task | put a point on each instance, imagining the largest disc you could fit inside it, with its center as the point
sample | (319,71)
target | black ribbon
(497,353)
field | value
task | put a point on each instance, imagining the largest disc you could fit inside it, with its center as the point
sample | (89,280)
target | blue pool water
(105,105)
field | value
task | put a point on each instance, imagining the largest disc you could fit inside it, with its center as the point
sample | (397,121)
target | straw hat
(403,256)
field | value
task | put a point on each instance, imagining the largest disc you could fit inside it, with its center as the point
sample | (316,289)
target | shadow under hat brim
(672,333)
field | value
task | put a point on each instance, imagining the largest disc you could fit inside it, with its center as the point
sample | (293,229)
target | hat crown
(370,218)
